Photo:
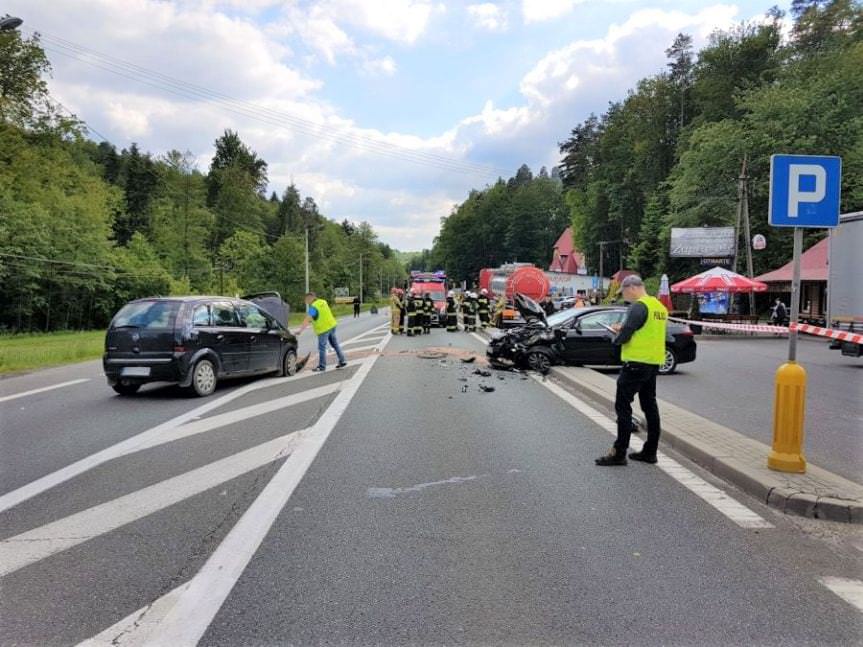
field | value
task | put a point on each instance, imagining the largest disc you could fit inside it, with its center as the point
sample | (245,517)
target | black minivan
(197,340)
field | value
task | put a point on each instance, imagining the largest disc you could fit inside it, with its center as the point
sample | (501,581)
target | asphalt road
(732,383)
(395,503)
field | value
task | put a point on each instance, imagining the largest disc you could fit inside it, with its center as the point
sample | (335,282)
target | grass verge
(31,351)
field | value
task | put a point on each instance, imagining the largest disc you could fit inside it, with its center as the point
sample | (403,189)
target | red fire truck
(435,284)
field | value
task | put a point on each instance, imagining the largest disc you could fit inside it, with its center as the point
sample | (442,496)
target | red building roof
(813,266)
(566,258)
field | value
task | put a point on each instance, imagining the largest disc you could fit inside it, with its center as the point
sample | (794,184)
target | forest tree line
(670,153)
(85,227)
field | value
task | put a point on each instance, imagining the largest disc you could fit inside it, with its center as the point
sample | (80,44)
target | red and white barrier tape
(841,335)
(734,327)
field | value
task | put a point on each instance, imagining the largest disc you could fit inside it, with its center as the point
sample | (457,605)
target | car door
(230,339)
(264,348)
(589,341)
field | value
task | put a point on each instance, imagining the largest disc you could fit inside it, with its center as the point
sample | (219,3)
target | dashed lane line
(130,445)
(731,508)
(849,590)
(186,615)
(37,544)
(23,394)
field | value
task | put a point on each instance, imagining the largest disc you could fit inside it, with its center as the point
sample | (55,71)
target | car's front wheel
(204,378)
(126,389)
(670,364)
(539,360)
(289,364)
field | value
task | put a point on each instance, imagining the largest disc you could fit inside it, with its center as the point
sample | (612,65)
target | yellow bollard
(789,408)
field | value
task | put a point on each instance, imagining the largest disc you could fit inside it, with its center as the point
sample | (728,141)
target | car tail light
(179,349)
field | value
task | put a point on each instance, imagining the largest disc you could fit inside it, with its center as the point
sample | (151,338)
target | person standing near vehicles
(395,311)
(451,312)
(411,313)
(356,307)
(428,311)
(483,307)
(780,313)
(320,317)
(642,341)
(468,312)
(499,307)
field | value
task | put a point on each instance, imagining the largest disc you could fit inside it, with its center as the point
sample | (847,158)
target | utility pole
(601,281)
(361,278)
(307,258)
(743,217)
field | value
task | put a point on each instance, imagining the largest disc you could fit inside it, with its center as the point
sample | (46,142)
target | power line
(187,90)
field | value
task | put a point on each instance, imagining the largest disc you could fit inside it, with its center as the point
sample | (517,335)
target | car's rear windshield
(147,314)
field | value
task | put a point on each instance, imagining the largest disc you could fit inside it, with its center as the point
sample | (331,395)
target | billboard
(700,242)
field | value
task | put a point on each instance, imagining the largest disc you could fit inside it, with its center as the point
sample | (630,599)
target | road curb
(819,494)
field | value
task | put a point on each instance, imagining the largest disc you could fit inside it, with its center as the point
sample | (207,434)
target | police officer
(428,311)
(483,307)
(451,312)
(411,313)
(395,311)
(642,341)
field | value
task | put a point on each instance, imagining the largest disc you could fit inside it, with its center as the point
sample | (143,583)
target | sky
(385,111)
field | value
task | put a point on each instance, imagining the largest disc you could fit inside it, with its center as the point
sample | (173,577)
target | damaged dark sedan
(576,337)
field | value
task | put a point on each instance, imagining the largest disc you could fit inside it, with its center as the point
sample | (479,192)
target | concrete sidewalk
(732,456)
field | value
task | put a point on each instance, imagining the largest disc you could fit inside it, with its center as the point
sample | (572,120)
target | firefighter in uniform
(428,311)
(419,319)
(642,341)
(403,311)
(483,306)
(499,307)
(411,314)
(451,312)
(395,311)
(469,312)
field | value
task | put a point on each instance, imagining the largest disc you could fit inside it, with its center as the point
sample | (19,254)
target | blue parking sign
(804,190)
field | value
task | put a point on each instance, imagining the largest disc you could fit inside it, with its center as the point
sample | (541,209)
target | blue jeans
(323,338)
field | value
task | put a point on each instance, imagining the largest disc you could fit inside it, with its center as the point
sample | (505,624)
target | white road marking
(197,604)
(145,626)
(37,544)
(849,590)
(130,445)
(731,508)
(238,415)
(357,349)
(23,394)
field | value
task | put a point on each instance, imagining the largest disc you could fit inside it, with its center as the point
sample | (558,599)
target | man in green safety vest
(320,317)
(642,341)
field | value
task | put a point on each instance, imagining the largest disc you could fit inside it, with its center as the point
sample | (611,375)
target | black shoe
(640,456)
(341,364)
(319,369)
(611,458)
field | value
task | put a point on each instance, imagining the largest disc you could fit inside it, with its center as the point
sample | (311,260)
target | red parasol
(718,279)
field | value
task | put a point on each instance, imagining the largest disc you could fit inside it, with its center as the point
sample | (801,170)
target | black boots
(612,458)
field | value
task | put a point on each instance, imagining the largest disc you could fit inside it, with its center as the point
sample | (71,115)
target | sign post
(804,193)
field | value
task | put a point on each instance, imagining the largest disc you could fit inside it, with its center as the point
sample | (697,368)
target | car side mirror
(577,328)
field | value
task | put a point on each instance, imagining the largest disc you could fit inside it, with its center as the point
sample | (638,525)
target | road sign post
(804,192)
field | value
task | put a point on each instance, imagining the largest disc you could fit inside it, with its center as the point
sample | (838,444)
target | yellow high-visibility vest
(325,321)
(647,344)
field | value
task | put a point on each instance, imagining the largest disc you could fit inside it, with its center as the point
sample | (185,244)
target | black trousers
(641,379)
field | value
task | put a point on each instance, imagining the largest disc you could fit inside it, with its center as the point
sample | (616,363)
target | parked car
(577,336)
(197,341)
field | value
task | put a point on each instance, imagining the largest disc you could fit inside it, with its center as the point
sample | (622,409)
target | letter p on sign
(804,190)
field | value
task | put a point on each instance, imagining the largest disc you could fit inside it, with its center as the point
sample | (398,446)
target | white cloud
(488,16)
(385,66)
(404,201)
(540,10)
